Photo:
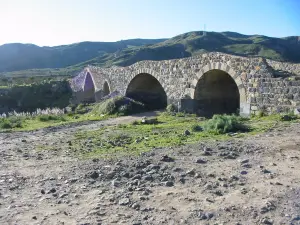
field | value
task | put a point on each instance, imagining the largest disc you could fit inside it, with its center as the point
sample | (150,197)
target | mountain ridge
(73,57)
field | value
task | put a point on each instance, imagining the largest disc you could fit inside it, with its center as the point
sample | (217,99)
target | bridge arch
(218,89)
(146,87)
(88,88)
(106,88)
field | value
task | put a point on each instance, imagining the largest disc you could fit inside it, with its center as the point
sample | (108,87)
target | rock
(186,132)
(23,140)
(201,161)
(124,201)
(145,120)
(63,195)
(244,191)
(267,221)
(191,172)
(244,172)
(43,191)
(147,178)
(265,171)
(93,174)
(34,218)
(169,183)
(166,158)
(269,206)
(243,161)
(247,165)
(52,190)
(135,206)
(207,153)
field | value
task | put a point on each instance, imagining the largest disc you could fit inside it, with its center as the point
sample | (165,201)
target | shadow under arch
(216,92)
(88,89)
(106,89)
(147,89)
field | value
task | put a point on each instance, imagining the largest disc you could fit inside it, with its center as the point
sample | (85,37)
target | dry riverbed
(238,180)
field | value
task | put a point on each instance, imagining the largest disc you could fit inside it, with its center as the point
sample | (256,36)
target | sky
(59,22)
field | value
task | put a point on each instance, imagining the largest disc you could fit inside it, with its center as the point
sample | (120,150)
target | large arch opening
(146,89)
(216,93)
(106,89)
(88,89)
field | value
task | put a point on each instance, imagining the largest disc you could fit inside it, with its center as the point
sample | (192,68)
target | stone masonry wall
(292,68)
(274,95)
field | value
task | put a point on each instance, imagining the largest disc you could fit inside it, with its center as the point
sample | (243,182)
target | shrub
(135,122)
(196,128)
(118,105)
(288,117)
(11,122)
(180,114)
(82,109)
(45,118)
(221,124)
(171,108)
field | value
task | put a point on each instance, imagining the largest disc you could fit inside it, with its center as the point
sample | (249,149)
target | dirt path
(253,180)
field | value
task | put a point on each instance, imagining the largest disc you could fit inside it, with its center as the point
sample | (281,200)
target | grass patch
(11,124)
(136,137)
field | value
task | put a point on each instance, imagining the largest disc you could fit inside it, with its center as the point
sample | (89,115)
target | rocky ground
(253,180)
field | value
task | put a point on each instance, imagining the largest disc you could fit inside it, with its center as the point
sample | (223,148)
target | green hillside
(20,59)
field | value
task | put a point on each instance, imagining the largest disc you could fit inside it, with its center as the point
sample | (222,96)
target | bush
(45,118)
(288,117)
(118,105)
(171,108)
(196,128)
(221,124)
(82,109)
(11,122)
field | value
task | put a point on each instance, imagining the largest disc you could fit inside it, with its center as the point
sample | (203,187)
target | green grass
(44,121)
(134,138)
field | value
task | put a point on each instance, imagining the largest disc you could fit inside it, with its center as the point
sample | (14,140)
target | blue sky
(57,22)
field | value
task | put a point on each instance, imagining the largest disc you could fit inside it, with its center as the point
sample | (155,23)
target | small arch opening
(216,93)
(146,88)
(88,89)
(106,89)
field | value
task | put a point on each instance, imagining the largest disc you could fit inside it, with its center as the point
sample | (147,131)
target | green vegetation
(134,138)
(119,105)
(28,98)
(171,108)
(67,60)
(45,118)
(221,124)
(28,123)
(11,122)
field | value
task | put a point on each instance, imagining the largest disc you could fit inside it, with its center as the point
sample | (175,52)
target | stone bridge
(207,84)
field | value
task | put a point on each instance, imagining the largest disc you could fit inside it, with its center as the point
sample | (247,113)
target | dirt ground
(253,180)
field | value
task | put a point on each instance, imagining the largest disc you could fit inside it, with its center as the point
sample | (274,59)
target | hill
(68,59)
(16,56)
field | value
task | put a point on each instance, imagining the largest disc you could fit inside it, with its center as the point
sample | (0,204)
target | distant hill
(14,57)
(70,58)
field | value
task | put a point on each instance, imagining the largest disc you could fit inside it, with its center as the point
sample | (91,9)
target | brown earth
(253,180)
